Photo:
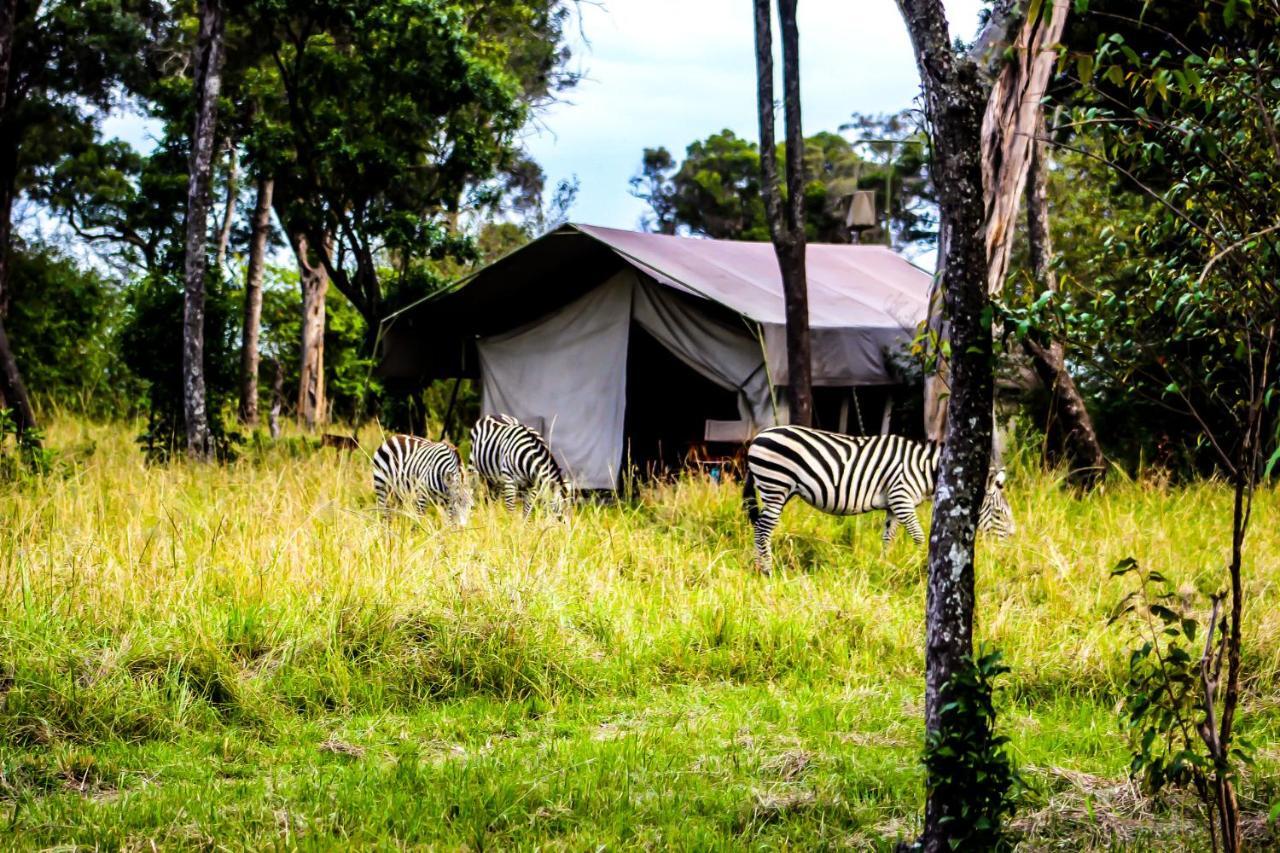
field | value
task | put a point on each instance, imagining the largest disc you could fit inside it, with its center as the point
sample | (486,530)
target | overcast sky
(668,72)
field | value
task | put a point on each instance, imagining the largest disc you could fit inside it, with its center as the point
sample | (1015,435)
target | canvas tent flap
(841,356)
(729,357)
(568,369)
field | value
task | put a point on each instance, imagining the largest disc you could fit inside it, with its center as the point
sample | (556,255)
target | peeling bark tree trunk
(954,100)
(1010,122)
(13,391)
(786,223)
(1013,120)
(1069,425)
(253,304)
(208,81)
(315,284)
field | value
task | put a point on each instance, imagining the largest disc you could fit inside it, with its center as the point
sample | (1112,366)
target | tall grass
(145,609)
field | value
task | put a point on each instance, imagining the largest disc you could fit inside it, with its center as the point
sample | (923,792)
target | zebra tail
(749,500)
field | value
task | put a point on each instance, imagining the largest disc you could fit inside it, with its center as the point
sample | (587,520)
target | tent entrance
(668,406)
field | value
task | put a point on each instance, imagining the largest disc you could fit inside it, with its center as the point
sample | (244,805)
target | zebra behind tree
(412,470)
(847,475)
(517,460)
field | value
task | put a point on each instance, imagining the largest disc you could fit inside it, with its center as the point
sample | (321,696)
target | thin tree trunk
(1069,420)
(253,303)
(208,81)
(786,223)
(277,397)
(315,285)
(954,102)
(1228,807)
(229,209)
(13,391)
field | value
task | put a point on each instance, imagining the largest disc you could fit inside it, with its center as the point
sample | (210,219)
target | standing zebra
(847,475)
(414,470)
(508,454)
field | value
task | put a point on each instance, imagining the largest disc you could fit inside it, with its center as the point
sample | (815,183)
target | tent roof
(851,288)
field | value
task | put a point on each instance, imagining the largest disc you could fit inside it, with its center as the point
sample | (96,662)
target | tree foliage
(395,117)
(715,191)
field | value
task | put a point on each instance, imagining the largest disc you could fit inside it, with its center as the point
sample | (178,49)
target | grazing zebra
(847,475)
(996,516)
(414,470)
(510,455)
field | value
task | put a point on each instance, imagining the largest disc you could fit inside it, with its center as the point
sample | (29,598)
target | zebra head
(460,497)
(996,516)
(560,498)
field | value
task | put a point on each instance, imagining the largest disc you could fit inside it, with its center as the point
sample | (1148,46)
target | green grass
(248,657)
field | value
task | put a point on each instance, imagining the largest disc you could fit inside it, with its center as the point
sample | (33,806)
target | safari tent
(631,348)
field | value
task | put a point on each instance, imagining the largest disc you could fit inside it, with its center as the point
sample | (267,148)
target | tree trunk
(315,284)
(229,209)
(954,101)
(253,304)
(13,391)
(277,397)
(786,223)
(208,81)
(1069,425)
(1011,120)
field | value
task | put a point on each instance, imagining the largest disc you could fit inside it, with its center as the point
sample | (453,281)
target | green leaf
(1271,463)
(1125,566)
(1084,67)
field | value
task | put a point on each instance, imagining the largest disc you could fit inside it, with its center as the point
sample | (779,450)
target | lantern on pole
(862,212)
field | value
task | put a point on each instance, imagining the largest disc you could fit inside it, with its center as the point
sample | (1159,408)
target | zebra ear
(999,480)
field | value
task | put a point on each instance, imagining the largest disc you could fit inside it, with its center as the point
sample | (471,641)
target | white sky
(668,72)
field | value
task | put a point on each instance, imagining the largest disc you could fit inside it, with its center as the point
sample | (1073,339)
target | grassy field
(248,657)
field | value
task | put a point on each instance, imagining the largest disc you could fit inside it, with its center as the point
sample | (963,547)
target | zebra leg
(770,512)
(509,492)
(890,526)
(903,508)
(528,497)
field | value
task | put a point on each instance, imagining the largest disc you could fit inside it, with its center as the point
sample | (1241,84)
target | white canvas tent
(551,332)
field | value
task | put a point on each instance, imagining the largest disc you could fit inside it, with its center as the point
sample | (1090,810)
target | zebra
(407,468)
(509,455)
(847,475)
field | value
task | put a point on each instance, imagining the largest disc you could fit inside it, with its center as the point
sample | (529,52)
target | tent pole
(448,413)
(888,410)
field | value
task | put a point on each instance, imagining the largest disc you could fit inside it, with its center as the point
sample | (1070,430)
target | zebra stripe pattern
(996,516)
(843,475)
(412,470)
(516,459)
